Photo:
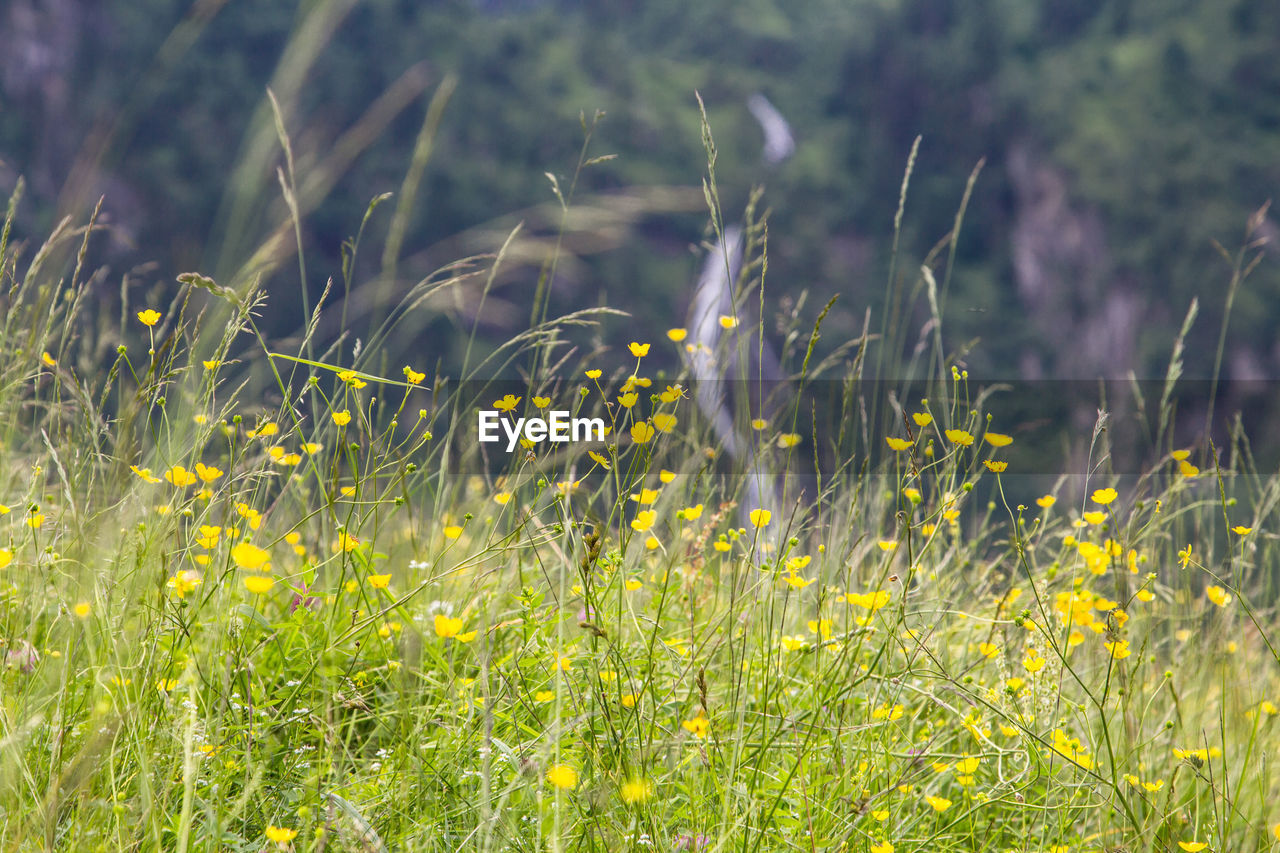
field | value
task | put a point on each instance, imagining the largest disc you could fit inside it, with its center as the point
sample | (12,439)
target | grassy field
(316,618)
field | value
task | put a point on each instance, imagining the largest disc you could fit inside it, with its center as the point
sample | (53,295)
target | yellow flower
(280,835)
(692,513)
(666,476)
(6,557)
(179,476)
(258,584)
(788,440)
(922,419)
(1119,649)
(897,443)
(1184,556)
(1032,662)
(1095,517)
(149,317)
(887,545)
(249,556)
(268,429)
(184,582)
(677,335)
(632,585)
(1071,749)
(882,847)
(888,712)
(48,359)
(959,436)
(760,517)
(880,816)
(1103,496)
(447,626)
(638,350)
(728,322)
(673,393)
(998,439)
(939,804)
(822,627)
(349,377)
(872,601)
(644,520)
(501,498)
(1046,501)
(698,726)
(1240,530)
(1200,754)
(636,790)
(82,609)
(345,543)
(208,473)
(988,650)
(1218,595)
(342,418)
(380,581)
(414,377)
(628,400)
(210,363)
(995,467)
(1268,707)
(1186,469)
(453,531)
(664,422)
(646,496)
(312,448)
(562,776)
(593,374)
(1193,846)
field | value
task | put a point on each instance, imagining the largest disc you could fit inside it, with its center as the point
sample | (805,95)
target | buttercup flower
(636,790)
(998,439)
(562,776)
(280,835)
(698,726)
(259,584)
(249,556)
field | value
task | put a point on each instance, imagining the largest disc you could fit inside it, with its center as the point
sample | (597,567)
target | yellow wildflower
(562,776)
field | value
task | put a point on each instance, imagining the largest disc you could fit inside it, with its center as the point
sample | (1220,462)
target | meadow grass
(312,614)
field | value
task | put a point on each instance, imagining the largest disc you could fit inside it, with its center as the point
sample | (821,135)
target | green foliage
(1163,121)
